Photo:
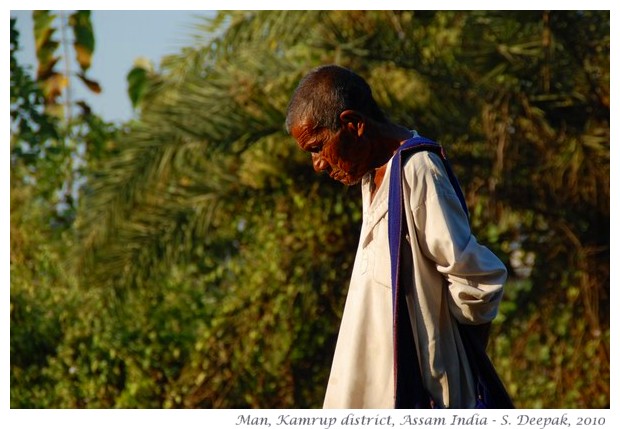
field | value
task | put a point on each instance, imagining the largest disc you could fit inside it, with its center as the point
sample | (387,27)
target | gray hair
(325,92)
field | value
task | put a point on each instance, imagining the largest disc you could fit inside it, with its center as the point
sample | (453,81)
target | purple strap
(408,393)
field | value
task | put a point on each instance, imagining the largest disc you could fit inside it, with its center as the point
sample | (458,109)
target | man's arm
(475,275)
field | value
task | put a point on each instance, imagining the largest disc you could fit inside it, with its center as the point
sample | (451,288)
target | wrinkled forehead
(306,134)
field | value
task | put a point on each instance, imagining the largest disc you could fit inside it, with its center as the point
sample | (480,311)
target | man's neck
(377,179)
(392,137)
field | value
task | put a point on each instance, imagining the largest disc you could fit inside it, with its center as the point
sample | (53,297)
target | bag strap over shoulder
(409,391)
(395,202)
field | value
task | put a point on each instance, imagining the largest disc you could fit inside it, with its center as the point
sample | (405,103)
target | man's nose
(319,163)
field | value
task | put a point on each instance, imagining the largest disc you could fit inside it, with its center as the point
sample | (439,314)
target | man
(451,278)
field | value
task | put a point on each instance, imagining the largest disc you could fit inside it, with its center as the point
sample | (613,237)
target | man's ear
(353,121)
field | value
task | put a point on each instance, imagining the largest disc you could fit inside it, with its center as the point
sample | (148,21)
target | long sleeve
(475,275)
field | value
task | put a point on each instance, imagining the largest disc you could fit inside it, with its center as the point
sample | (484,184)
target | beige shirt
(454,278)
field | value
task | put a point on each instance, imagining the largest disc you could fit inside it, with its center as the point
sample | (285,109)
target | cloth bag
(408,386)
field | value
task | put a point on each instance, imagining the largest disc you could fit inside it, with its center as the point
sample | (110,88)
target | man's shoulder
(422,161)
(425,172)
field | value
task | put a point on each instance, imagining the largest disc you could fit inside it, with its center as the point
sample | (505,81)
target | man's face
(344,155)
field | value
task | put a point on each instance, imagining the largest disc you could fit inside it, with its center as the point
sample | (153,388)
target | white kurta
(454,277)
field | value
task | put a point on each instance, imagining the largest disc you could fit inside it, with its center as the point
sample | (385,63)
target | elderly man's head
(330,116)
(327,91)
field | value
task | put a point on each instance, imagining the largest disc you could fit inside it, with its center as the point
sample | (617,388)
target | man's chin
(345,178)
(350,181)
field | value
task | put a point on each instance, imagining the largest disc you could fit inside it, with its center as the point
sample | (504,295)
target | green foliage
(52,82)
(281,300)
(26,118)
(50,146)
(210,263)
(138,83)
(42,295)
(45,164)
(84,43)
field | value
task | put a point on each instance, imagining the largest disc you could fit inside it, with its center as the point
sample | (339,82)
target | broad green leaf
(138,82)
(84,39)
(45,46)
